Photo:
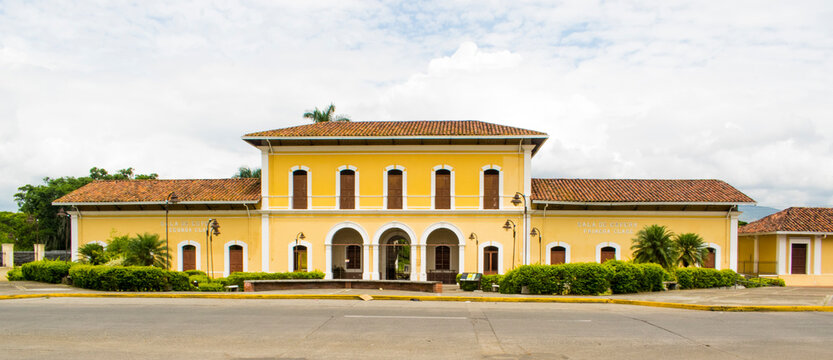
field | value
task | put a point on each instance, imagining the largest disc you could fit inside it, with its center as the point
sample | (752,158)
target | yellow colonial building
(419,200)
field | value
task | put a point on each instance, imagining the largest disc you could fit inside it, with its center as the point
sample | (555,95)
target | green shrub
(210,286)
(128,278)
(195,272)
(14,275)
(729,277)
(653,276)
(627,277)
(759,282)
(704,278)
(178,281)
(685,277)
(48,271)
(239,277)
(487,281)
(589,278)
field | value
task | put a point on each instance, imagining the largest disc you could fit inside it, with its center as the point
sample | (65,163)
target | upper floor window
(347,189)
(299,189)
(394,195)
(491,189)
(442,189)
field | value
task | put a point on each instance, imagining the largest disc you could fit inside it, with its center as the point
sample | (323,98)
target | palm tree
(318,116)
(691,250)
(93,253)
(146,250)
(246,172)
(653,244)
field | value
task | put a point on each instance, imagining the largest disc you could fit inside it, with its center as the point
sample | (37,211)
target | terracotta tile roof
(397,128)
(797,219)
(630,190)
(155,191)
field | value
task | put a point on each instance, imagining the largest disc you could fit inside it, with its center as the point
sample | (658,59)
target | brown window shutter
(299,189)
(490,260)
(442,197)
(709,263)
(798,256)
(558,255)
(235,254)
(348,189)
(491,188)
(189,257)
(608,253)
(395,189)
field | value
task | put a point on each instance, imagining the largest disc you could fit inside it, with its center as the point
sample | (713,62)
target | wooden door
(558,255)
(442,189)
(799,259)
(490,260)
(491,189)
(189,257)
(395,189)
(235,258)
(299,189)
(608,253)
(300,258)
(348,189)
(709,261)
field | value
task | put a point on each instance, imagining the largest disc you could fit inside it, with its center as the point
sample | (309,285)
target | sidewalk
(771,296)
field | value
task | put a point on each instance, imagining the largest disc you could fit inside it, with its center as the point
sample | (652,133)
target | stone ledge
(403,285)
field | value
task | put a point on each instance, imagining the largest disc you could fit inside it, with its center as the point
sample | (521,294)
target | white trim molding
(328,245)
(179,247)
(482,247)
(605,244)
(718,260)
(733,242)
(264,178)
(423,242)
(74,230)
(338,187)
(434,184)
(806,242)
(817,255)
(551,245)
(227,265)
(500,185)
(413,240)
(291,190)
(404,186)
(781,253)
(291,254)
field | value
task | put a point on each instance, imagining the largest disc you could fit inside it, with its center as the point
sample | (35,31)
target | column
(781,254)
(817,255)
(733,242)
(8,255)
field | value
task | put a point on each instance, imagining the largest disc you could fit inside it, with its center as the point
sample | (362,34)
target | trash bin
(470,281)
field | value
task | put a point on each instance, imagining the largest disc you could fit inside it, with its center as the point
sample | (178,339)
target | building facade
(419,200)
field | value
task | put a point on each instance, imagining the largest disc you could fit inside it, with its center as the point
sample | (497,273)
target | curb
(698,307)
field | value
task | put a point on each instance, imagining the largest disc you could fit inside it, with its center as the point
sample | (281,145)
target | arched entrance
(396,259)
(347,255)
(442,256)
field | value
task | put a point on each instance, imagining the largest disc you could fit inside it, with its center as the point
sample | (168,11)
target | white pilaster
(528,191)
(756,257)
(781,254)
(817,255)
(733,243)
(374,275)
(264,241)
(423,263)
(264,179)
(366,273)
(73,229)
(461,251)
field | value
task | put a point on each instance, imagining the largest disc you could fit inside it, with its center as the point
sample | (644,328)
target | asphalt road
(102,328)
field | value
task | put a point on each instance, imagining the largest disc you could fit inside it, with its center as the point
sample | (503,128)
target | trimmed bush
(589,278)
(210,286)
(195,272)
(239,277)
(48,271)
(178,281)
(576,279)
(653,276)
(627,278)
(128,278)
(759,282)
(14,275)
(703,278)
(487,281)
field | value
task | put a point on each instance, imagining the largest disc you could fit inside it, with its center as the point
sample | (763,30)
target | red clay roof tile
(631,190)
(794,219)
(397,128)
(155,191)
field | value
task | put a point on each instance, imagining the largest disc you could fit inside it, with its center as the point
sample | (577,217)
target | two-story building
(420,200)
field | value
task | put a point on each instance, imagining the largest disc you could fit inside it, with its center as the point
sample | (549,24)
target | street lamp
(212,229)
(63,215)
(536,232)
(170,199)
(517,199)
(297,254)
(473,236)
(510,225)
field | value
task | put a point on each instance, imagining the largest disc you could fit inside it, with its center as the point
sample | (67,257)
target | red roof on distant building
(450,128)
(794,219)
(156,191)
(636,191)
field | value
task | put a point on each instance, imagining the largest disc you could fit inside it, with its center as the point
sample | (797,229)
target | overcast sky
(740,90)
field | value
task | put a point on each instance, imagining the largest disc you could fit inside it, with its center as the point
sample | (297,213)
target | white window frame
(338,187)
(500,252)
(605,244)
(227,265)
(717,258)
(291,255)
(805,241)
(291,190)
(434,185)
(500,185)
(181,245)
(566,247)
(404,186)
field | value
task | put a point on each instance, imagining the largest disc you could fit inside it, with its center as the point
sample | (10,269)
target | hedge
(48,271)
(759,282)
(704,278)
(631,278)
(575,279)
(15,275)
(239,277)
(128,278)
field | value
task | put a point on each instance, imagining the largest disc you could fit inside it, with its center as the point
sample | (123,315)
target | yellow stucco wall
(827,255)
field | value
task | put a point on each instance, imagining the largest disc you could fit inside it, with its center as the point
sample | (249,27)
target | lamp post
(63,215)
(473,236)
(536,232)
(510,225)
(170,199)
(517,199)
(298,237)
(212,228)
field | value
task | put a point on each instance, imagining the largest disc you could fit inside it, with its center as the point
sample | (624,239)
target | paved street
(106,328)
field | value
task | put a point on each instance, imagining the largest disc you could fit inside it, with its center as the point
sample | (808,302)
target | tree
(93,253)
(37,200)
(246,172)
(653,244)
(146,250)
(691,250)
(318,116)
(14,229)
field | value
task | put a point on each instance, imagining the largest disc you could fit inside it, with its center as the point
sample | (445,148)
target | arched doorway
(607,253)
(347,254)
(558,255)
(396,258)
(442,256)
(491,260)
(189,257)
(708,262)
(299,258)
(235,253)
